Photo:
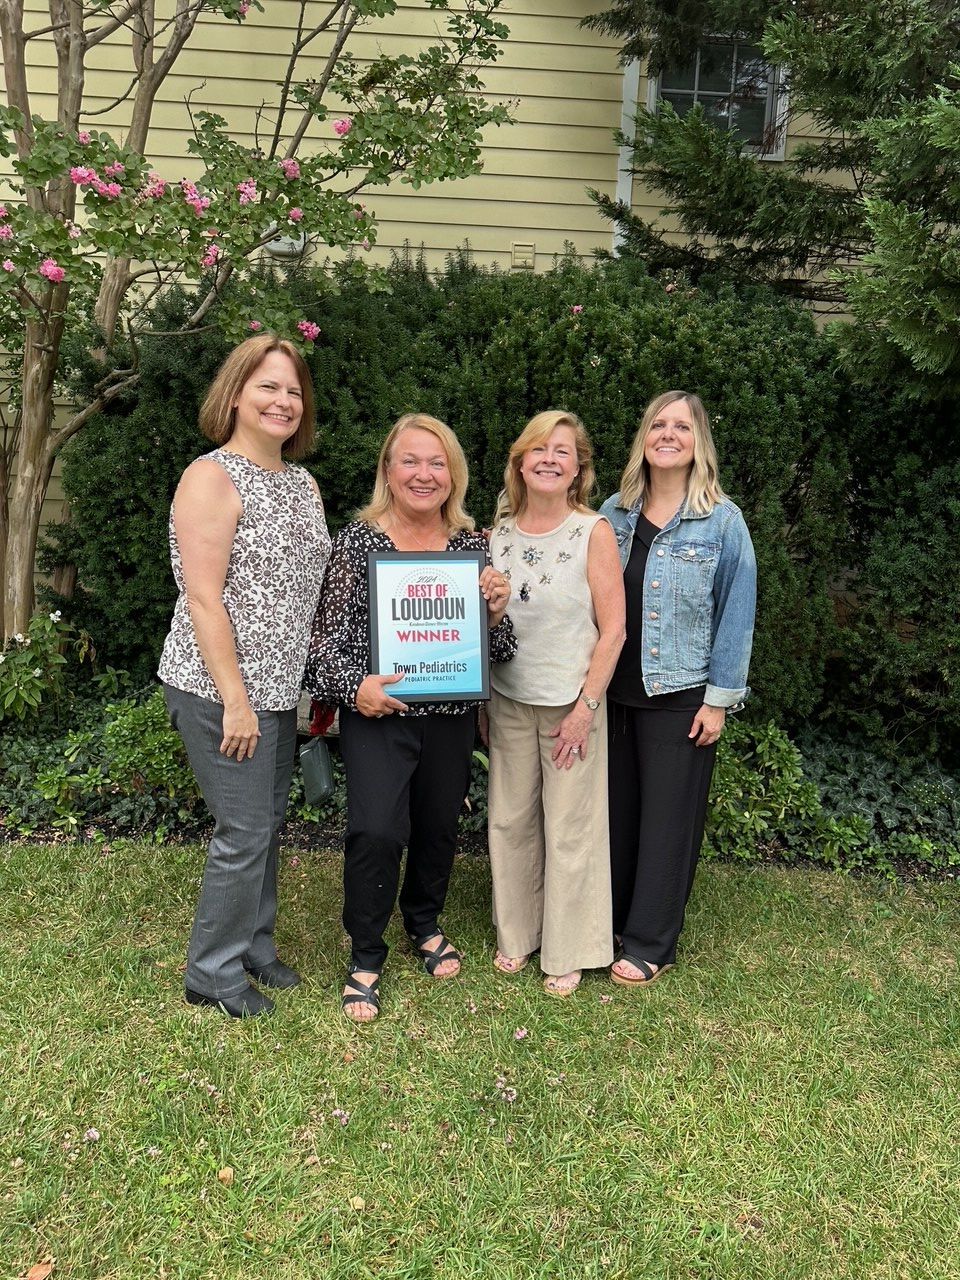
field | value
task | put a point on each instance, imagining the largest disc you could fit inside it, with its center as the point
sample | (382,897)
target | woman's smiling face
(669,445)
(418,473)
(551,467)
(270,403)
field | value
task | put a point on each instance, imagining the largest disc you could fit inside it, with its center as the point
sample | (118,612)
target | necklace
(424,546)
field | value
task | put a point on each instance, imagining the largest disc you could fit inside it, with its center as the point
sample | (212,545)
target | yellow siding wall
(563,85)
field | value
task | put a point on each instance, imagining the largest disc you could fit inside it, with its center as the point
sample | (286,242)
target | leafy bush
(119,763)
(32,665)
(483,350)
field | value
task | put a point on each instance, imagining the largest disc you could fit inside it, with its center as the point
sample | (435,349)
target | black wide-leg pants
(659,783)
(406,780)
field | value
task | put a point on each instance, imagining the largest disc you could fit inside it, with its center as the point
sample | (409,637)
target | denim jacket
(699,600)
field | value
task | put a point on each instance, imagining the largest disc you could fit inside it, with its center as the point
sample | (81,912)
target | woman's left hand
(707,725)
(495,589)
(572,733)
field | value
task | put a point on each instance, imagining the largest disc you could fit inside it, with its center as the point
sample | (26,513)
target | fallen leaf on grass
(40,1271)
(226,1176)
(348,1056)
(310,1160)
(358,1203)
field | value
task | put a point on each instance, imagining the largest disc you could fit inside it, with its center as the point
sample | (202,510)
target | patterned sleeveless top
(276,567)
(551,609)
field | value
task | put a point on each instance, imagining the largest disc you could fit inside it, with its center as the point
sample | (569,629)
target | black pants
(659,784)
(406,780)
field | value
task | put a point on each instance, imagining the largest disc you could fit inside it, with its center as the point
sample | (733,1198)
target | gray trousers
(237,911)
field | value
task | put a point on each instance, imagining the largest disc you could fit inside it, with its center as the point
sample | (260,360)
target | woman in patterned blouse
(408,765)
(249,544)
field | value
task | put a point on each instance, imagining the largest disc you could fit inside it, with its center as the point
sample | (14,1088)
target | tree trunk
(34,466)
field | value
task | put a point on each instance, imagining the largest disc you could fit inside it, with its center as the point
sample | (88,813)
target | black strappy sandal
(433,959)
(361,993)
(650,974)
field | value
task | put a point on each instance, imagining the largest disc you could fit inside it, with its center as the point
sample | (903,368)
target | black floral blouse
(339,657)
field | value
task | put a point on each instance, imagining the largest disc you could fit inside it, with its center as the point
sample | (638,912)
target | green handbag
(317,771)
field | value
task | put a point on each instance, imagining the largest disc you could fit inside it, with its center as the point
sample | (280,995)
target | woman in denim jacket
(690,577)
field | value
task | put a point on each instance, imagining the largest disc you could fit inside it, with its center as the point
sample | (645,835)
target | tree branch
(57,439)
(347,23)
(114,23)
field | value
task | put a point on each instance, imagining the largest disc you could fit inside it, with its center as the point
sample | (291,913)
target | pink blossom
(357,212)
(342,127)
(51,271)
(193,198)
(244,8)
(6,231)
(73,231)
(8,265)
(210,257)
(521,1033)
(3,212)
(309,330)
(294,862)
(365,244)
(112,170)
(83,137)
(248,190)
(290,169)
(295,215)
(80,174)
(110,190)
(155,187)
(255,325)
(575,310)
(92,1135)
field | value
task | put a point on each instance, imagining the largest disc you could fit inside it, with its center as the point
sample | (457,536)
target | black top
(339,655)
(627,683)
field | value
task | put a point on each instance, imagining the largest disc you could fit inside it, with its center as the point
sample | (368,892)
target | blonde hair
(703,482)
(452,511)
(218,411)
(512,500)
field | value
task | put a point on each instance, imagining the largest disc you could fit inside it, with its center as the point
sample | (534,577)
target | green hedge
(484,350)
(120,769)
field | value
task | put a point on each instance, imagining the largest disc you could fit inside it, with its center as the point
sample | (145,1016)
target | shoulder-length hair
(703,482)
(452,511)
(219,409)
(513,497)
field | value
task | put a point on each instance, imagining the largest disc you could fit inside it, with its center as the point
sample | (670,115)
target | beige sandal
(509,964)
(552,988)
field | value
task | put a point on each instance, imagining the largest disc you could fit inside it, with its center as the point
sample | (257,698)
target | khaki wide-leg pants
(549,840)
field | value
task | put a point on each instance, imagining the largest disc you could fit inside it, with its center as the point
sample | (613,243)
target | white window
(736,87)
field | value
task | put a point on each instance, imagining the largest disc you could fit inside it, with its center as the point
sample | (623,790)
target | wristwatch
(592,703)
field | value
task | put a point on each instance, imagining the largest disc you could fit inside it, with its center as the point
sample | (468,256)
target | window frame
(778,100)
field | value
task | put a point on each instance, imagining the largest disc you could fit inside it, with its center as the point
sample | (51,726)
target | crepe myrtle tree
(94,235)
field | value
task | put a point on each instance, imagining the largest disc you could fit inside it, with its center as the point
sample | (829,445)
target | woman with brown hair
(548,748)
(249,544)
(408,765)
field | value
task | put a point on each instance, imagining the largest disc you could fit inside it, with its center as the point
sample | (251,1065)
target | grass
(785,1104)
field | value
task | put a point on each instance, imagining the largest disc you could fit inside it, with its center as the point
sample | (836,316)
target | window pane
(747,119)
(753,71)
(716,68)
(679,77)
(681,102)
(716,107)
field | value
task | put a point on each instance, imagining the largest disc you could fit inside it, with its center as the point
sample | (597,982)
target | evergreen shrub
(484,350)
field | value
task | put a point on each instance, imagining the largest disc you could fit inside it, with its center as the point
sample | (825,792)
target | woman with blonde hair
(690,579)
(408,765)
(548,751)
(248,543)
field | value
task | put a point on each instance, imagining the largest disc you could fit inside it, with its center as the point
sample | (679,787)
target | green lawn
(786,1103)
